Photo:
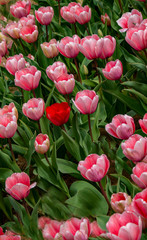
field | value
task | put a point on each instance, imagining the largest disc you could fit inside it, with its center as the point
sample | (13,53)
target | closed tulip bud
(20,8)
(3,48)
(8,125)
(56,70)
(34,108)
(113,70)
(29,33)
(65,83)
(50,48)
(120,201)
(44,15)
(13,30)
(143,123)
(100,34)
(42,143)
(15,63)
(69,46)
(9,109)
(18,185)
(85,70)
(105,18)
(139,175)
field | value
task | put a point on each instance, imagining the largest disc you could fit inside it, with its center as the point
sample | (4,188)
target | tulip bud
(34,108)
(119,201)
(42,143)
(50,48)
(100,34)
(85,70)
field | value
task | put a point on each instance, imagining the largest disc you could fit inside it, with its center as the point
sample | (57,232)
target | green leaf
(138,94)
(67,167)
(140,87)
(30,151)
(7,162)
(102,220)
(5,173)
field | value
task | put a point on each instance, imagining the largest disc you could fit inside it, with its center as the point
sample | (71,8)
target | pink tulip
(29,20)
(143,123)
(50,48)
(29,33)
(8,125)
(27,78)
(42,143)
(105,18)
(68,46)
(9,109)
(94,47)
(75,229)
(119,201)
(42,221)
(82,14)
(67,12)
(95,230)
(44,15)
(13,30)
(86,101)
(34,108)
(56,70)
(65,83)
(122,126)
(113,70)
(20,8)
(135,148)
(18,185)
(5,237)
(139,175)
(3,48)
(129,20)
(125,226)
(15,63)
(51,230)
(94,167)
(136,37)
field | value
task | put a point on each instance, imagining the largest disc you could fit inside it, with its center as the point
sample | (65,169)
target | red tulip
(69,46)
(139,175)
(143,123)
(20,8)
(18,185)
(50,48)
(42,143)
(44,15)
(113,70)
(15,63)
(119,201)
(29,33)
(58,113)
(65,83)
(34,108)
(56,70)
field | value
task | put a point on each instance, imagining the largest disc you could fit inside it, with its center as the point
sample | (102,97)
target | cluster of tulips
(130,216)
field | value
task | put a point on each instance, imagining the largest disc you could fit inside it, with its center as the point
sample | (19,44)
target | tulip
(143,123)
(51,230)
(75,229)
(122,126)
(8,125)
(86,101)
(29,20)
(105,18)
(50,48)
(11,109)
(29,33)
(34,108)
(13,30)
(67,12)
(3,48)
(135,148)
(139,175)
(44,15)
(1,231)
(119,201)
(82,14)
(129,20)
(56,70)
(65,83)
(113,70)
(136,37)
(42,221)
(68,46)
(27,78)
(20,8)
(95,230)
(5,237)
(15,63)
(125,226)
(58,113)
(18,185)
(42,143)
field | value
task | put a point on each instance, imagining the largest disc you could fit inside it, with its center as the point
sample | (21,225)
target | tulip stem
(67,99)
(46,33)
(47,159)
(12,153)
(59,12)
(87,29)
(79,77)
(90,130)
(22,45)
(96,66)
(104,194)
(119,1)
(39,126)
(33,91)
(75,27)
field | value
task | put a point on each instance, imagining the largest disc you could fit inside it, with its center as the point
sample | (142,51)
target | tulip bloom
(13,30)
(42,221)
(34,108)
(125,226)
(86,101)
(11,109)
(139,175)
(20,8)
(143,123)
(7,237)
(29,33)
(105,18)
(58,113)
(15,63)
(135,148)
(95,230)
(8,125)
(94,167)
(44,15)
(68,46)
(3,48)
(119,201)
(82,14)
(18,185)
(75,229)
(56,70)
(65,83)
(67,12)
(122,126)
(51,230)
(29,20)
(113,70)
(50,48)
(129,20)
(42,143)
(27,78)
